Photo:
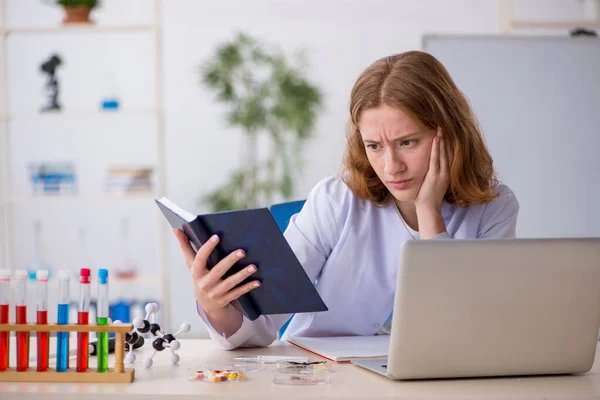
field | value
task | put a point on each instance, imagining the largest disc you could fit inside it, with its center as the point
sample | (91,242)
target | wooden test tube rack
(118,374)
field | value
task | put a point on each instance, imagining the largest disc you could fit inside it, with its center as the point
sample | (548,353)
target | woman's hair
(420,85)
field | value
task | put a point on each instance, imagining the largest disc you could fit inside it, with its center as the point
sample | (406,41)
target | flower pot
(78,14)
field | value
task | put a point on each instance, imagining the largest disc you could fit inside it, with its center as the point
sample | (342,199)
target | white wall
(340,37)
(540,123)
(557,10)
(3,155)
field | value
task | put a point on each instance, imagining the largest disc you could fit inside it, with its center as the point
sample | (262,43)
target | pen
(270,359)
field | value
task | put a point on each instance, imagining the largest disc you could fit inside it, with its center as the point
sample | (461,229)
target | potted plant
(271,100)
(77,11)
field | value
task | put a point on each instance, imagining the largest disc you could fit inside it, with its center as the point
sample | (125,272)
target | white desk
(347,381)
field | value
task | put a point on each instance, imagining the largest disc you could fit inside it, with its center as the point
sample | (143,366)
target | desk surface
(347,381)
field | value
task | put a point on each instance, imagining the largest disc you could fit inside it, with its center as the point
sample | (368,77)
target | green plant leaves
(266,96)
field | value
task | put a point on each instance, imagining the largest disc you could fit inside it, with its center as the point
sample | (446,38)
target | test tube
(62,338)
(42,319)
(83,319)
(20,294)
(102,319)
(4,311)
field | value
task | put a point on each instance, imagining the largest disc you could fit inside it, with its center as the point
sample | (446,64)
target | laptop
(473,308)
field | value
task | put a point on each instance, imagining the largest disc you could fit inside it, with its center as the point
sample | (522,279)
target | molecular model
(141,326)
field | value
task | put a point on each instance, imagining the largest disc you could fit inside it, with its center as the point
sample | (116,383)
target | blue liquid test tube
(62,345)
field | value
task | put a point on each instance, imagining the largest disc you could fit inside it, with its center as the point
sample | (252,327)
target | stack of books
(50,178)
(129,180)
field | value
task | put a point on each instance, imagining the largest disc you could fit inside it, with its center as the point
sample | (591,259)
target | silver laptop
(467,308)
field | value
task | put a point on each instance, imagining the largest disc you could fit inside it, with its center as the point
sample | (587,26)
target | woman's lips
(400,184)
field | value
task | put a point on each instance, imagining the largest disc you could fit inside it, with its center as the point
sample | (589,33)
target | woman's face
(398,149)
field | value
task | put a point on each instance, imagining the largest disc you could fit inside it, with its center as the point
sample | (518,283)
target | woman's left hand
(436,182)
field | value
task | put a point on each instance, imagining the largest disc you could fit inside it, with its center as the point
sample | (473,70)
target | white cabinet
(119,55)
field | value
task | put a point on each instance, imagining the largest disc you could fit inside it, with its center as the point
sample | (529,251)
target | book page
(345,347)
(189,217)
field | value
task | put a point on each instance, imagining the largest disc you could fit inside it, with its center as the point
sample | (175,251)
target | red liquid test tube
(83,311)
(4,310)
(21,318)
(42,319)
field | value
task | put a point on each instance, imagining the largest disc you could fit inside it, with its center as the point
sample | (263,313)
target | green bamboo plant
(268,97)
(75,3)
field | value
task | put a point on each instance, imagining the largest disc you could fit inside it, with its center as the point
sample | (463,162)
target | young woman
(416,168)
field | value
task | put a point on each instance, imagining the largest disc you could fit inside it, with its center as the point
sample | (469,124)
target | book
(130,179)
(285,288)
(345,348)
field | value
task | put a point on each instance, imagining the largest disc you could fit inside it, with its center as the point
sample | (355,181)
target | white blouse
(350,248)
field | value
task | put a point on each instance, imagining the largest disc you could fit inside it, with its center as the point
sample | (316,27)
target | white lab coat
(351,249)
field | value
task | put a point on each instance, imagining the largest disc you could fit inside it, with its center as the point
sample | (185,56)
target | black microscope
(49,67)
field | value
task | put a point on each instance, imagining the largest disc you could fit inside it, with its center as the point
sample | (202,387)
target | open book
(345,348)
(285,288)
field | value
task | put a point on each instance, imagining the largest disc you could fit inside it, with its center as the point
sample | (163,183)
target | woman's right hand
(213,293)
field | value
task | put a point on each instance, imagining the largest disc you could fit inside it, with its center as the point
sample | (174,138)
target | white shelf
(76,28)
(555,24)
(145,280)
(507,21)
(140,280)
(74,114)
(92,197)
(153,281)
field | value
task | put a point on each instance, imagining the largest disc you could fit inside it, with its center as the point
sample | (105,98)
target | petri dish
(302,373)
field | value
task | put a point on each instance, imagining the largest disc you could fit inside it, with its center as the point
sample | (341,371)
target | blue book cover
(285,288)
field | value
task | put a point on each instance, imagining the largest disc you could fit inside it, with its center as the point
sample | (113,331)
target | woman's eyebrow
(401,138)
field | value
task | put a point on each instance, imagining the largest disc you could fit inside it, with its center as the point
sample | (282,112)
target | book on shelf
(129,179)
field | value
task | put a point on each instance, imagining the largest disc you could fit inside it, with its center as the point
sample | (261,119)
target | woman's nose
(394,164)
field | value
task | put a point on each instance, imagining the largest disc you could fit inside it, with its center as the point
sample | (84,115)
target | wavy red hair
(419,84)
